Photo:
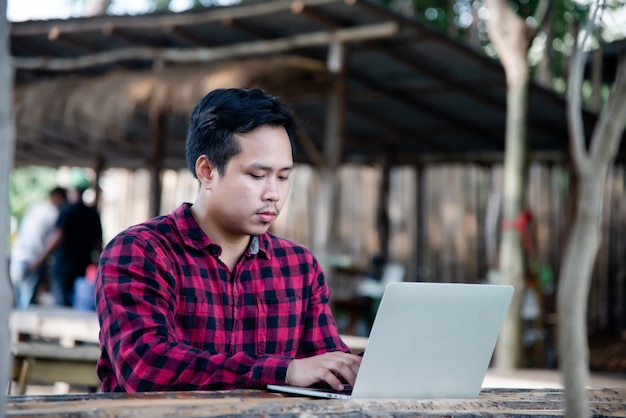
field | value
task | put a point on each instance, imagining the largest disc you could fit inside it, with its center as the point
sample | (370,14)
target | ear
(205,172)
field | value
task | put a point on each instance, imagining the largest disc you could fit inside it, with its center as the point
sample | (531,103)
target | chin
(259,229)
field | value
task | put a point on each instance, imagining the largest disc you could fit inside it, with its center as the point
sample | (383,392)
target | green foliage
(162,4)
(460,18)
(29,185)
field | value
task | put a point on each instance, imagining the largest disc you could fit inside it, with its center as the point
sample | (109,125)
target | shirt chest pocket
(202,324)
(279,325)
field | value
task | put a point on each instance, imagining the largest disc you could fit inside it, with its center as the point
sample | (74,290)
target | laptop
(428,340)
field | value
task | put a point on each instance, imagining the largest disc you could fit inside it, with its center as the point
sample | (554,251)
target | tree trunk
(7,145)
(582,247)
(573,290)
(511,255)
(545,68)
(98,7)
(511,39)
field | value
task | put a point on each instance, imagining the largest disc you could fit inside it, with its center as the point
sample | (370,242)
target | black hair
(58,191)
(225,112)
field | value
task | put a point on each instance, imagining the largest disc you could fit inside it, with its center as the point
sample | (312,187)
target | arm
(323,356)
(52,243)
(136,302)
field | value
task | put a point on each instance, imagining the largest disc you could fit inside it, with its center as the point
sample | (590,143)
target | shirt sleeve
(135,298)
(320,333)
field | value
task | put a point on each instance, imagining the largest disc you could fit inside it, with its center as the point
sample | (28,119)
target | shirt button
(215,250)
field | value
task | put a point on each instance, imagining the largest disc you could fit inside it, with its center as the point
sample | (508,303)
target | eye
(254,176)
(283,178)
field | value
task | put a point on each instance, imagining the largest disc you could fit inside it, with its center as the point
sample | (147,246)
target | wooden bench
(66,325)
(45,363)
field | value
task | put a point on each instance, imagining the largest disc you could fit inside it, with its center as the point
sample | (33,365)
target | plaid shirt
(173,317)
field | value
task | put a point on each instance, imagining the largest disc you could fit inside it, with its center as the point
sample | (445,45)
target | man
(75,241)
(207,298)
(35,228)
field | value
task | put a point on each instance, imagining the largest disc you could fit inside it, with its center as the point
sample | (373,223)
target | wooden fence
(443,222)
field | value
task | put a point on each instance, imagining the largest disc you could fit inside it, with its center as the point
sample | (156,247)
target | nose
(270,192)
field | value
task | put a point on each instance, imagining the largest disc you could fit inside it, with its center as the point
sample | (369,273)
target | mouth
(266,217)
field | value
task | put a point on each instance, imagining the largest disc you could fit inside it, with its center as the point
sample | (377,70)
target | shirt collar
(194,237)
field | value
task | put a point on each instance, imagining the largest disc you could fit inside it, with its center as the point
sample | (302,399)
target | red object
(90,273)
(522,224)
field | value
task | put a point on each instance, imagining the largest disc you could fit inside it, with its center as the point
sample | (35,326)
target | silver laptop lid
(432,340)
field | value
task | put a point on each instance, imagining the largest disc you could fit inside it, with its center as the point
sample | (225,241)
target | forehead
(265,144)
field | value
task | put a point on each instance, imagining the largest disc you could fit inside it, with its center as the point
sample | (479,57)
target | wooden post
(99,166)
(420,260)
(335,119)
(7,149)
(383,209)
(157,139)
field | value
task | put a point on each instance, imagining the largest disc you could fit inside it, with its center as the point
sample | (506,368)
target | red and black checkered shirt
(173,317)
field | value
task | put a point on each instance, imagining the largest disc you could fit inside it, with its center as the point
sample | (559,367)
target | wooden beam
(7,147)
(299,7)
(355,34)
(213,14)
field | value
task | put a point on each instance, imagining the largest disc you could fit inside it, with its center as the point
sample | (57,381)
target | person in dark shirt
(205,297)
(75,243)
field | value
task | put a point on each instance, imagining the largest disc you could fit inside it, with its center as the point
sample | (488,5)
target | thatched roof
(75,119)
(409,94)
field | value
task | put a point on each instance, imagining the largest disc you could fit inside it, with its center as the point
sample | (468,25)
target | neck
(233,245)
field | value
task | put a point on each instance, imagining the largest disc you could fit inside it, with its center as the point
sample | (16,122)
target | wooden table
(260,403)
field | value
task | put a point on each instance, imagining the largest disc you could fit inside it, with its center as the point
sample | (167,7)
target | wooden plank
(65,324)
(490,403)
(29,371)
(49,351)
(49,363)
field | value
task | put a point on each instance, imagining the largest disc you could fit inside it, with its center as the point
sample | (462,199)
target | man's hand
(334,368)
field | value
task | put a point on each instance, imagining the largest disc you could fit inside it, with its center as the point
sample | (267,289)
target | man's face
(255,184)
(57,200)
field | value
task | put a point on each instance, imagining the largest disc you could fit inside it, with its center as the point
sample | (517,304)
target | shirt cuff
(272,370)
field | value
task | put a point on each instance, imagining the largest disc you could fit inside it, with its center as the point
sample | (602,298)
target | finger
(332,380)
(346,366)
(347,373)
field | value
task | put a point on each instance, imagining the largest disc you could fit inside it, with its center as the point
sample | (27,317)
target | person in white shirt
(35,228)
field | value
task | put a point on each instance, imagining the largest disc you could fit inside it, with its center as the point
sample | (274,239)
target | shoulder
(152,233)
(42,210)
